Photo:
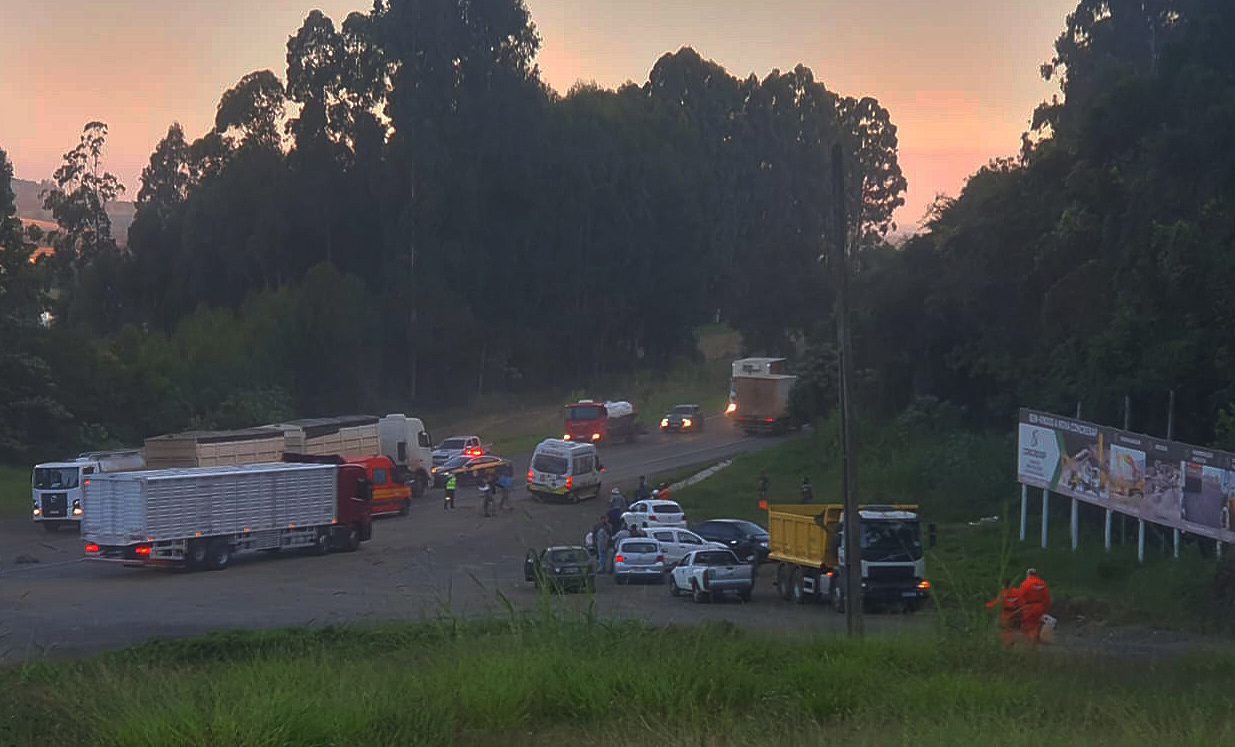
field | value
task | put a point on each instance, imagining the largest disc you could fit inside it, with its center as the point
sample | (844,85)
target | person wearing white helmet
(616,499)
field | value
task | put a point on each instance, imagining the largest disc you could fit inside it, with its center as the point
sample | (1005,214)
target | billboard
(1167,483)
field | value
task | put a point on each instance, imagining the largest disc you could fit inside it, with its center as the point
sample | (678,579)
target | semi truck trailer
(759,395)
(201,517)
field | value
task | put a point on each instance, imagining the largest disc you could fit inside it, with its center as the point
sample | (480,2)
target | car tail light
(565,436)
(660,558)
(92,548)
(570,483)
(769,420)
(619,558)
(924,585)
(652,517)
(531,475)
(142,550)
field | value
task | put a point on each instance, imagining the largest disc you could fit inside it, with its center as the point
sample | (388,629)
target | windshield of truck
(550,463)
(890,541)
(573,555)
(452,444)
(585,412)
(53,478)
(716,557)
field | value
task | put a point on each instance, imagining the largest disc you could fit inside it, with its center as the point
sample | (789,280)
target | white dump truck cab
(893,561)
(56,487)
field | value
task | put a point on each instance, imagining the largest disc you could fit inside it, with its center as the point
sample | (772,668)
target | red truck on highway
(589,421)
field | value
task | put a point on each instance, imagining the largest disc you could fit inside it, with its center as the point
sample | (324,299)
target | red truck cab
(389,496)
(355,500)
(589,421)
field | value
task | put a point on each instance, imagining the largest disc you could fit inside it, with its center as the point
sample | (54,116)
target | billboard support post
(1106,532)
(1046,507)
(1076,526)
(1176,533)
(1024,508)
(1140,540)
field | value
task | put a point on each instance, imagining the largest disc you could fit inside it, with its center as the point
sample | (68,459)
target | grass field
(958,478)
(14,492)
(546,681)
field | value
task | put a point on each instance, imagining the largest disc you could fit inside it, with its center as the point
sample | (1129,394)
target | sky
(960,77)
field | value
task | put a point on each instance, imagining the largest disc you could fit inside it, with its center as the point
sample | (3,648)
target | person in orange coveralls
(1035,602)
(1008,602)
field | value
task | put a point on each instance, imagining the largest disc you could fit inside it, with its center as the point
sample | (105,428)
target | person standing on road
(763,486)
(643,492)
(806,490)
(452,482)
(602,546)
(505,483)
(1035,599)
(486,495)
(616,500)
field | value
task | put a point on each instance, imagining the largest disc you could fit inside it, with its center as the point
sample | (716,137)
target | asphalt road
(425,565)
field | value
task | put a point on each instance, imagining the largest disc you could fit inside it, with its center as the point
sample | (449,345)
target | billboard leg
(1024,509)
(1076,526)
(1176,533)
(1140,540)
(1046,507)
(1106,532)
(1218,549)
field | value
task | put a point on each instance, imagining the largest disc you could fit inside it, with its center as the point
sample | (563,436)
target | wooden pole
(849,473)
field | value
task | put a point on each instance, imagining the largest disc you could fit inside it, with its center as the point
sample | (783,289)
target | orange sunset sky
(960,77)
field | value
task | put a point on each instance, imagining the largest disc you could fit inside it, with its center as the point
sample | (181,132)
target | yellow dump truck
(806,542)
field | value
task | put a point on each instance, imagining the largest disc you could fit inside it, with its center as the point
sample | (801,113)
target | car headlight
(664,422)
(686,422)
(38,511)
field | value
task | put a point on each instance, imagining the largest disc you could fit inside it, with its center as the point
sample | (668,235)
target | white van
(564,470)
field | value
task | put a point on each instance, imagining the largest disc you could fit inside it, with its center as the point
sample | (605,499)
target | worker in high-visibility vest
(1035,602)
(452,482)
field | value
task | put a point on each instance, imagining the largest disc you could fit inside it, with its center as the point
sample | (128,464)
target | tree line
(408,215)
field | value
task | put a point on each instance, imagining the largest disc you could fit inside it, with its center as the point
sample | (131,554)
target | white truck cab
(56,487)
(410,447)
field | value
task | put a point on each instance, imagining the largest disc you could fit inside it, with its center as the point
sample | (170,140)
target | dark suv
(745,538)
(683,418)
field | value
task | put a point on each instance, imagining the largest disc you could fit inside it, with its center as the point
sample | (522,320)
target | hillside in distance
(30,209)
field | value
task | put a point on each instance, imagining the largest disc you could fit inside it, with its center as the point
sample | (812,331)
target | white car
(676,543)
(457,446)
(708,574)
(654,513)
(638,557)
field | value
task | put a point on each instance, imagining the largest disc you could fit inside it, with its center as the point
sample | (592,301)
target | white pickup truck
(708,574)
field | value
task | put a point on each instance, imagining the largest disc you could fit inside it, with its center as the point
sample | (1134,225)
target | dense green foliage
(547,680)
(410,215)
(1100,261)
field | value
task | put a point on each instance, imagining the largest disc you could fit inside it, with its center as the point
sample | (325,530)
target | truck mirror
(932,534)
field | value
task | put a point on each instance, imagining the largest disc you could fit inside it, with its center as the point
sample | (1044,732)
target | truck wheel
(349,541)
(674,591)
(321,545)
(572,497)
(783,577)
(196,556)
(797,587)
(745,595)
(219,556)
(406,508)
(696,593)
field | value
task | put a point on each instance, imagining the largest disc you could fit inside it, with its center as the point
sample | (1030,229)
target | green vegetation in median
(958,477)
(14,492)
(545,681)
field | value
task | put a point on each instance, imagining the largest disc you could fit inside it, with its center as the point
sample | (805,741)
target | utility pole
(849,471)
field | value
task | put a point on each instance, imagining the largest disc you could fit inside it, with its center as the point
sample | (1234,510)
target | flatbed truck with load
(201,517)
(806,541)
(589,421)
(759,395)
(56,487)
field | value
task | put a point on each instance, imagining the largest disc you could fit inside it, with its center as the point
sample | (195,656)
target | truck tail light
(707,577)
(142,550)
(570,483)
(924,585)
(92,548)
(595,436)
(732,408)
(531,475)
(652,517)
(619,558)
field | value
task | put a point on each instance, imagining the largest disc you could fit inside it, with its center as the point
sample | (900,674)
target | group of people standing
(608,530)
(1023,608)
(491,486)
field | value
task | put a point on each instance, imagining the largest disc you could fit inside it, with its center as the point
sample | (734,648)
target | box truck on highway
(201,517)
(759,395)
(589,421)
(806,541)
(56,487)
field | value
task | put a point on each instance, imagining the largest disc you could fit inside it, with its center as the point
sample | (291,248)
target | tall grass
(553,681)
(14,492)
